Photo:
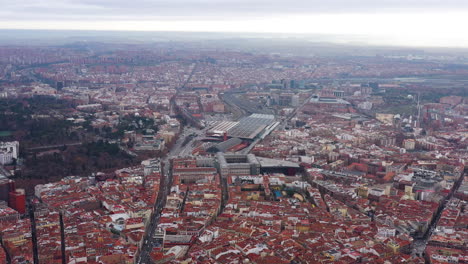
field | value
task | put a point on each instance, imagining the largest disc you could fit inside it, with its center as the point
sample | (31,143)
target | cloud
(397,22)
(208,9)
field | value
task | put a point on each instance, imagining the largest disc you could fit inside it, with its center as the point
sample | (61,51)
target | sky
(437,23)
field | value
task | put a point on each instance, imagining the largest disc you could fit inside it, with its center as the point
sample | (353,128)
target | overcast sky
(394,22)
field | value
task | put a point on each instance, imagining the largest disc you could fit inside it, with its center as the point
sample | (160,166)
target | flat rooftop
(249,127)
(246,128)
(222,126)
(275,163)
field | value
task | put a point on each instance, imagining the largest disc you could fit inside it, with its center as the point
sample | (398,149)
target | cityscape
(166,146)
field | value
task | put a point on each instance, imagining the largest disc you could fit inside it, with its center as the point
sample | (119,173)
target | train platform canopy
(220,127)
(246,128)
(249,127)
(225,146)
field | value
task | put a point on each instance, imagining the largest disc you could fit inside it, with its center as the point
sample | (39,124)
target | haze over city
(391,22)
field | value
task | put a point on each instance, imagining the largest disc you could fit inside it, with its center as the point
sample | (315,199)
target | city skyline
(233,131)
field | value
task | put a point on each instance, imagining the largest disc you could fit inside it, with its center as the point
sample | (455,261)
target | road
(190,76)
(54,146)
(419,245)
(197,134)
(178,149)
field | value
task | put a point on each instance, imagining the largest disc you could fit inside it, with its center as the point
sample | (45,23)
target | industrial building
(251,126)
(190,170)
(247,128)
(237,164)
(240,164)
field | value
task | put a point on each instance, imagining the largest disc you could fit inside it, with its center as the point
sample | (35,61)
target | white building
(365,105)
(8,152)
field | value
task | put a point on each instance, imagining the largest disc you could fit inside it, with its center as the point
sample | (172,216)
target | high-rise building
(374,86)
(59,86)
